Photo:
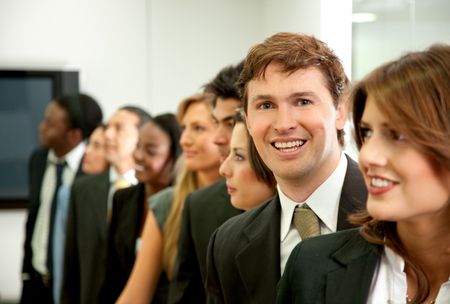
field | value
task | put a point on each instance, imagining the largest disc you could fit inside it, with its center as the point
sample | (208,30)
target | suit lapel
(350,283)
(131,215)
(259,262)
(100,199)
(353,195)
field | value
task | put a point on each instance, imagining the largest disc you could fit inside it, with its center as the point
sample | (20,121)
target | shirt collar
(394,261)
(128,175)
(72,159)
(324,201)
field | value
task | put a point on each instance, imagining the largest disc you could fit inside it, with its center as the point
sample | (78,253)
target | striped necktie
(306,222)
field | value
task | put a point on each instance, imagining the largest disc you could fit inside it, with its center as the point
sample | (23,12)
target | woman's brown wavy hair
(413,93)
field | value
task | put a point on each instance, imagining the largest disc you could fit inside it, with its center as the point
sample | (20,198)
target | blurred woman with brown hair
(198,167)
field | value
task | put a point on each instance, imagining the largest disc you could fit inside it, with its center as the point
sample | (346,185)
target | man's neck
(60,152)
(123,167)
(300,188)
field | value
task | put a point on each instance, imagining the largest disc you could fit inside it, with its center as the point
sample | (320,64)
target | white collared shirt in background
(324,201)
(129,176)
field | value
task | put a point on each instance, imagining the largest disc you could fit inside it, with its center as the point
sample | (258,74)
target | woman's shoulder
(342,244)
(160,204)
(162,197)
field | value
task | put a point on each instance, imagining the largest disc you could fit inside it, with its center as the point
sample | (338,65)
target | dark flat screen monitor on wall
(24,96)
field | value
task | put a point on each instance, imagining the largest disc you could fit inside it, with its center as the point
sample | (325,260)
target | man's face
(54,127)
(293,122)
(121,135)
(223,116)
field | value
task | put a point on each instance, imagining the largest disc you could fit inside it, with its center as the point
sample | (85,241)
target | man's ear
(75,135)
(247,122)
(342,113)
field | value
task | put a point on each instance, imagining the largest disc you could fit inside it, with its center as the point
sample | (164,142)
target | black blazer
(86,240)
(244,253)
(204,211)
(36,169)
(126,222)
(334,269)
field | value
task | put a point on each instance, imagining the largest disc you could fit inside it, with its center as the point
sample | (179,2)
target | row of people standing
(293,93)
(82,230)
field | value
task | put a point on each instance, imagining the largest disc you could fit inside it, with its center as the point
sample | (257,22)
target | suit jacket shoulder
(216,192)
(333,268)
(128,206)
(204,211)
(244,257)
(86,239)
(36,168)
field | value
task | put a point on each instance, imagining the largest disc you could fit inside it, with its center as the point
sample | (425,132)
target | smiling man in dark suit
(292,88)
(68,122)
(208,208)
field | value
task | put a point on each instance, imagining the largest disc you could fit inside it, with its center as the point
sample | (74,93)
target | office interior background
(152,53)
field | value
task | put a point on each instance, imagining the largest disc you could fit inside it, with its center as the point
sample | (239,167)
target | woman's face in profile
(245,190)
(402,183)
(197,139)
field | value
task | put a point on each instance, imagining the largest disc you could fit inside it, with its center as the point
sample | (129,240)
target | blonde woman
(198,167)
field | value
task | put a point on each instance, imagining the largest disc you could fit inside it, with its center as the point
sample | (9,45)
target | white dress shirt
(389,283)
(39,241)
(324,201)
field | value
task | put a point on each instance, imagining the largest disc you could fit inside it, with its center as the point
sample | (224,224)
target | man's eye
(303,102)
(265,105)
(199,129)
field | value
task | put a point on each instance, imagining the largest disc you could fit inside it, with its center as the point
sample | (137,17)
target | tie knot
(121,183)
(306,222)
(60,164)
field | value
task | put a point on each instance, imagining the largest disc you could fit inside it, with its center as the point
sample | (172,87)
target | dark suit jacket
(86,240)
(36,169)
(244,253)
(126,222)
(336,268)
(204,211)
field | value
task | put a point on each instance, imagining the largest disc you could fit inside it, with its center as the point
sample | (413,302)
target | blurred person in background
(68,122)
(198,167)
(156,154)
(91,205)
(196,228)
(94,162)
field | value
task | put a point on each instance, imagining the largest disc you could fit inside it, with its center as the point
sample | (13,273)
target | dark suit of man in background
(90,204)
(208,208)
(68,121)
(292,87)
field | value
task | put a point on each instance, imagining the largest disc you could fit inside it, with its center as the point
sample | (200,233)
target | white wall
(148,52)
(12,235)
(192,40)
(106,40)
